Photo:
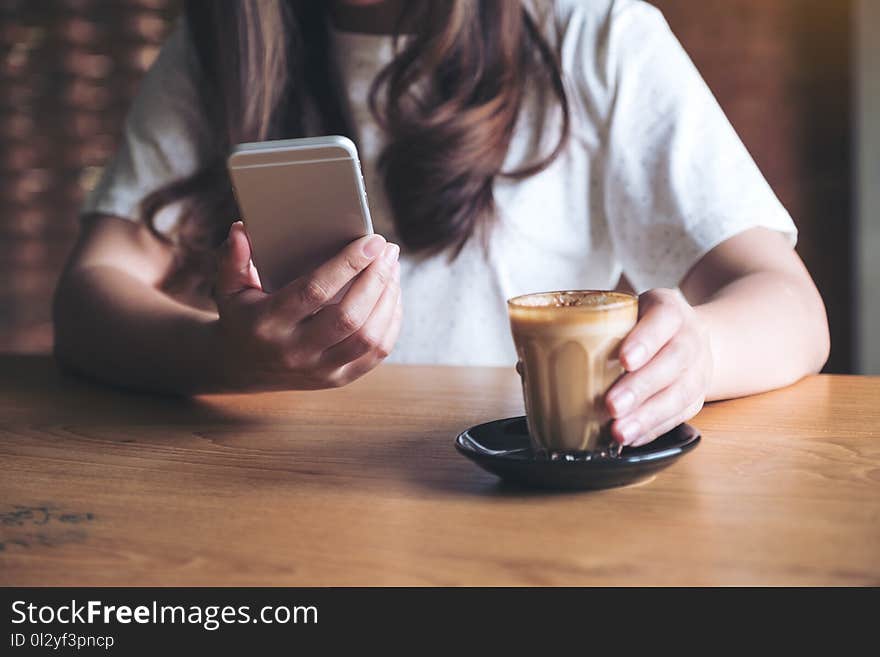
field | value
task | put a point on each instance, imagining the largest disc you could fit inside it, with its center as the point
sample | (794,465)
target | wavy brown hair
(448,103)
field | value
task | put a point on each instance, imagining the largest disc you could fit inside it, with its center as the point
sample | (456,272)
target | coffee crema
(568,343)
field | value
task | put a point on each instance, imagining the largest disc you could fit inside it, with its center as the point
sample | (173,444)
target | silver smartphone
(302,201)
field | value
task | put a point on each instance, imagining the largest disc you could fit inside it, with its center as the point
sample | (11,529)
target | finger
(634,388)
(393,331)
(336,322)
(309,293)
(658,322)
(669,424)
(371,337)
(357,368)
(235,270)
(670,404)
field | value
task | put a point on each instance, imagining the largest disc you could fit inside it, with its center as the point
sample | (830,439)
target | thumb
(235,270)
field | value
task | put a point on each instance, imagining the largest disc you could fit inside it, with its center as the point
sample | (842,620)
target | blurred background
(792,75)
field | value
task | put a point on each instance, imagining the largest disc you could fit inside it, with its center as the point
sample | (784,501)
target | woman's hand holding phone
(297,338)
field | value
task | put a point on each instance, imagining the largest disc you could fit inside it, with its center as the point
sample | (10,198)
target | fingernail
(232,228)
(634,355)
(236,226)
(374,246)
(629,430)
(621,400)
(391,252)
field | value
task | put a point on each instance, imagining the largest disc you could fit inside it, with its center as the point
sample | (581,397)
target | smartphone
(302,201)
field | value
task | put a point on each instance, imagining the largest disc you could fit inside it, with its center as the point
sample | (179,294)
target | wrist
(218,376)
(704,325)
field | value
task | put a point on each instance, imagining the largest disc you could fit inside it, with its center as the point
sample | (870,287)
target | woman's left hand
(668,365)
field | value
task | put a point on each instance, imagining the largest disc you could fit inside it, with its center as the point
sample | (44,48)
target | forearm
(766,330)
(118,329)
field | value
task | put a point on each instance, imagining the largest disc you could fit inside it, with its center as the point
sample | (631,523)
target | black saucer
(502,447)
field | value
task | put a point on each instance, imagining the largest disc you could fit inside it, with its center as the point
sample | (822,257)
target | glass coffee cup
(568,346)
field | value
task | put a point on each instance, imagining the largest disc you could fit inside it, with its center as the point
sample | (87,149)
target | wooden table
(362,486)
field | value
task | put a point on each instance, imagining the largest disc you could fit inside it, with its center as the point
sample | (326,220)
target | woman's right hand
(297,338)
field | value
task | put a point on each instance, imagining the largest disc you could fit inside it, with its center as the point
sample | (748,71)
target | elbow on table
(807,329)
(820,335)
(823,346)
(807,334)
(62,349)
(73,326)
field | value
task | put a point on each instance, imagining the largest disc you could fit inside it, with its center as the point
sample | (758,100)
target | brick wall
(68,69)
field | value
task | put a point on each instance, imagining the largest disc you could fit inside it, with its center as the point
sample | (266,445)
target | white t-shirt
(652,178)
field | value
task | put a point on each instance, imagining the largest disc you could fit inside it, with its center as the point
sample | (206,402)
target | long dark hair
(448,103)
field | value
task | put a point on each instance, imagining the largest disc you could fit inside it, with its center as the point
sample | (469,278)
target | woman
(507,147)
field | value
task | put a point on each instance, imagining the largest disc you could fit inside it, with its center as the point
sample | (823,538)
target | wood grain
(362,486)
